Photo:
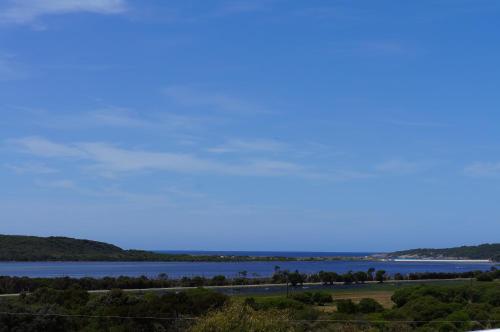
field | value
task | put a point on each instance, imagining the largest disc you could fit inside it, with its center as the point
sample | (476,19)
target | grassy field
(380,292)
(338,290)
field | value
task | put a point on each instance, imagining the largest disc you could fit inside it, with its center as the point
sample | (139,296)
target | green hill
(483,251)
(56,248)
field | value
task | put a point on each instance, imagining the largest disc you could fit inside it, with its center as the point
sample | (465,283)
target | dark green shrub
(485,277)
(321,298)
(367,306)
(346,307)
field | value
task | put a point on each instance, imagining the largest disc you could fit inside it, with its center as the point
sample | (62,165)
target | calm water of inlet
(296,254)
(189,269)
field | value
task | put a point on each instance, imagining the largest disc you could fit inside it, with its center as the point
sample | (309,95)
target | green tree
(368,305)
(296,278)
(360,277)
(380,276)
(370,273)
(346,307)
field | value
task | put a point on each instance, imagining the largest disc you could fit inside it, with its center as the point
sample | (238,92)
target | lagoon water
(210,269)
(294,254)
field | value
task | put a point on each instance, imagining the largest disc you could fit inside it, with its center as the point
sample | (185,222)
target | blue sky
(251,125)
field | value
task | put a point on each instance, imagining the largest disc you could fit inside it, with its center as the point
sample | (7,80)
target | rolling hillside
(55,248)
(483,251)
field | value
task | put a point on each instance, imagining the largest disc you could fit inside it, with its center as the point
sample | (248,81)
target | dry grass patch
(383,297)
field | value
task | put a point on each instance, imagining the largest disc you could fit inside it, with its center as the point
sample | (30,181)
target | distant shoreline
(432,260)
(22,248)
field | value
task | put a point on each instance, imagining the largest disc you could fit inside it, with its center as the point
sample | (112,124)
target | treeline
(359,277)
(24,284)
(416,308)
(74,309)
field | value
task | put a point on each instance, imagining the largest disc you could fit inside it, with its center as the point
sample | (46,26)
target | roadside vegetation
(413,308)
(9,285)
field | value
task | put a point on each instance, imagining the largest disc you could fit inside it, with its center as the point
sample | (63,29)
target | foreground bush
(241,317)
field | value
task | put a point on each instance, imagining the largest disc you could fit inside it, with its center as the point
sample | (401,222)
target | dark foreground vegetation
(483,251)
(9,285)
(415,308)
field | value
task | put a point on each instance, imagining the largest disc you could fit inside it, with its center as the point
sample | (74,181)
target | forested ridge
(483,251)
(57,248)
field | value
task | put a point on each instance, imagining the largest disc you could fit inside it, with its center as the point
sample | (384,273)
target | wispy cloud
(212,101)
(10,69)
(483,169)
(122,117)
(110,116)
(27,11)
(59,184)
(236,7)
(44,148)
(110,161)
(383,47)
(115,117)
(408,123)
(374,48)
(399,166)
(238,145)
(31,167)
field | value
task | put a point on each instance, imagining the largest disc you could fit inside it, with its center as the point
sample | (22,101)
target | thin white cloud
(122,117)
(236,7)
(44,148)
(10,69)
(374,48)
(483,169)
(31,167)
(399,166)
(115,117)
(109,160)
(27,11)
(325,12)
(213,101)
(383,47)
(417,123)
(59,184)
(238,145)
(111,116)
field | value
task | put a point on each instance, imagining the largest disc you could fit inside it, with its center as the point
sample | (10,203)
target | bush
(239,317)
(318,298)
(485,277)
(306,297)
(321,298)
(346,307)
(275,303)
(368,306)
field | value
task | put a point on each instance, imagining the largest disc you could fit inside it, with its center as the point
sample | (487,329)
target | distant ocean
(291,254)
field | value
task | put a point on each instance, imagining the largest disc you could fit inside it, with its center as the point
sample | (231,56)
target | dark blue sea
(210,269)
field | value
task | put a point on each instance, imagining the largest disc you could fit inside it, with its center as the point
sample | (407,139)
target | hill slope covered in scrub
(483,251)
(56,248)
